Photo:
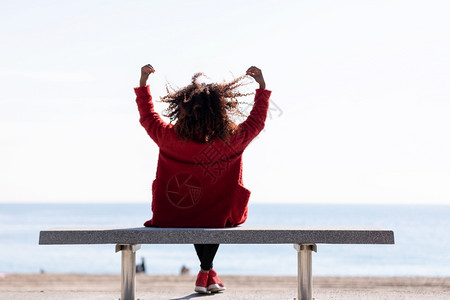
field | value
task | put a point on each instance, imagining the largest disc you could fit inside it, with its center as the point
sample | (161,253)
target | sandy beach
(79,286)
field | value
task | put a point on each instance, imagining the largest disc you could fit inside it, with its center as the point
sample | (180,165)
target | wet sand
(81,286)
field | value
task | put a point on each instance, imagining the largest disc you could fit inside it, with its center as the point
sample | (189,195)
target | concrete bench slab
(235,235)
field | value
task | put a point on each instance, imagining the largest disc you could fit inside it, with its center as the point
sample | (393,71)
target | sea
(422,241)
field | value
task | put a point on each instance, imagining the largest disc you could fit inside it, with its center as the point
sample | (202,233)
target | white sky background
(364,89)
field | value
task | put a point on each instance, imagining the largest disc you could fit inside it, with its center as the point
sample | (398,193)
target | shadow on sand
(194,295)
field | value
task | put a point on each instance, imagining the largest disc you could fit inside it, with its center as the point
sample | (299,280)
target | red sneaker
(214,283)
(201,283)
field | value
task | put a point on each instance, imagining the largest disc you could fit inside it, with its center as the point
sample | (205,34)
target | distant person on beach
(199,174)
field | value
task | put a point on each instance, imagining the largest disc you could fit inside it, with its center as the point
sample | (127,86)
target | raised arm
(254,123)
(149,119)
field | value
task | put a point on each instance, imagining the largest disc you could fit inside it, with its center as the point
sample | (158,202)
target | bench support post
(128,287)
(305,287)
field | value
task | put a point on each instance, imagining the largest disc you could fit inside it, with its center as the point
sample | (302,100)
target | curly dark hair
(202,111)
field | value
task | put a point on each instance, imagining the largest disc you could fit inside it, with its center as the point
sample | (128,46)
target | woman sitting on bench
(199,174)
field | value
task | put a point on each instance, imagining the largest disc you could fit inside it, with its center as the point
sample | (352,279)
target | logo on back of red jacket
(184,190)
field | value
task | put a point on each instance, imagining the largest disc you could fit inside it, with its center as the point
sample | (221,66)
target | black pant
(206,253)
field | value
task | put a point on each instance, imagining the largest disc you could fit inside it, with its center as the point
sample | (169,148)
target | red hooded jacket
(199,184)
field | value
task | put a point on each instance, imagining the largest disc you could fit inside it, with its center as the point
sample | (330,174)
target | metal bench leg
(304,252)
(128,288)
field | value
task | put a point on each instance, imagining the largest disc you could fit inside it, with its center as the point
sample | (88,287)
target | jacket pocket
(240,202)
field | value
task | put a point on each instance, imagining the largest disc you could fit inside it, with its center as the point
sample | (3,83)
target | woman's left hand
(256,73)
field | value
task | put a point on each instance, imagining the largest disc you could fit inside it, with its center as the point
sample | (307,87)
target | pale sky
(361,95)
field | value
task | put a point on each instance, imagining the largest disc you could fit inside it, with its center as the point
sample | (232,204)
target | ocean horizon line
(250,203)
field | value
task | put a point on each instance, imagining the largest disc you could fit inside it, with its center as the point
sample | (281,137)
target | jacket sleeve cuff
(142,91)
(264,92)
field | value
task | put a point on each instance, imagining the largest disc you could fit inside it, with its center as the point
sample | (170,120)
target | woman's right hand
(145,72)
(257,75)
